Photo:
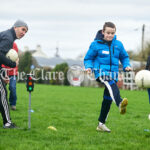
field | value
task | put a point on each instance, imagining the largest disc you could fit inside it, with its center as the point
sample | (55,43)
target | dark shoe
(9,125)
(13,107)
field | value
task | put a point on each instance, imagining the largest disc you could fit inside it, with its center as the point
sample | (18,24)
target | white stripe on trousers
(109,89)
(4,101)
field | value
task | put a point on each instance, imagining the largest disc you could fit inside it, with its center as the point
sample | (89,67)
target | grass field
(74,112)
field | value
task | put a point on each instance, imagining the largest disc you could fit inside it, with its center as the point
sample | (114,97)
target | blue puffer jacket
(103,57)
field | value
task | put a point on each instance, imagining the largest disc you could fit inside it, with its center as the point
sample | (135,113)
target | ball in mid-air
(142,79)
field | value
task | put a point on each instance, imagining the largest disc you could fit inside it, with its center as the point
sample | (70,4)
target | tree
(43,75)
(57,73)
(141,55)
(25,62)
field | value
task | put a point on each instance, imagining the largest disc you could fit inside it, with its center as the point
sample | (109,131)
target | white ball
(149,116)
(142,79)
(12,55)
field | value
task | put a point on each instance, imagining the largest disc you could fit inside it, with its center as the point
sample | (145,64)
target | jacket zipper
(113,49)
(110,57)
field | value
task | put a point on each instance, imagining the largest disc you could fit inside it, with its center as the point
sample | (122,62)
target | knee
(12,87)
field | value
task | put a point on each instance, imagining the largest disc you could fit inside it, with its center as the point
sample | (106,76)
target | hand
(89,71)
(17,62)
(6,80)
(128,69)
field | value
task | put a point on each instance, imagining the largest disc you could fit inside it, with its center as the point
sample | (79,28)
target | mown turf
(74,112)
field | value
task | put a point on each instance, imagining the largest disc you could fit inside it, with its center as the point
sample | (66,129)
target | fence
(126,80)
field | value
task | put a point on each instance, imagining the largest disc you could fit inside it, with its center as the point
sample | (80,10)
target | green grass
(74,112)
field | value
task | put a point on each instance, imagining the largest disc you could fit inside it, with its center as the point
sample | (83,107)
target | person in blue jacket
(148,68)
(103,58)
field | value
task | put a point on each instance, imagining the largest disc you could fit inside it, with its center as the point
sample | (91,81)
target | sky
(72,25)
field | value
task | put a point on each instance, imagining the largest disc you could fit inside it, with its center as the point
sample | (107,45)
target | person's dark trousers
(148,90)
(105,107)
(111,92)
(106,104)
(4,107)
(12,89)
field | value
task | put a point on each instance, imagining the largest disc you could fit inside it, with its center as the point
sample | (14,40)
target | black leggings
(4,107)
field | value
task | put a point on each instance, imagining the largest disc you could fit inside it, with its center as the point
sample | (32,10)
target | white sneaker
(13,107)
(103,128)
(123,105)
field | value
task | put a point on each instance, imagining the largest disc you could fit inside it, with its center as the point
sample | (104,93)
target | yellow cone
(52,128)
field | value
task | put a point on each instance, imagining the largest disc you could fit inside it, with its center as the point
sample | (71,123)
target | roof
(52,62)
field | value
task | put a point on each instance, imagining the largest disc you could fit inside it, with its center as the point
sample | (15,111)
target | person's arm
(124,58)
(148,63)
(90,57)
(4,45)
(4,60)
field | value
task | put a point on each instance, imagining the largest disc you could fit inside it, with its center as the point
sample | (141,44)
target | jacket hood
(100,36)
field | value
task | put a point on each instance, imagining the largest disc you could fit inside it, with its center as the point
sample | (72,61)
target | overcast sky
(72,24)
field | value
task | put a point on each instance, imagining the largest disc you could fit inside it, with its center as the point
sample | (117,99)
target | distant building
(44,61)
(39,53)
